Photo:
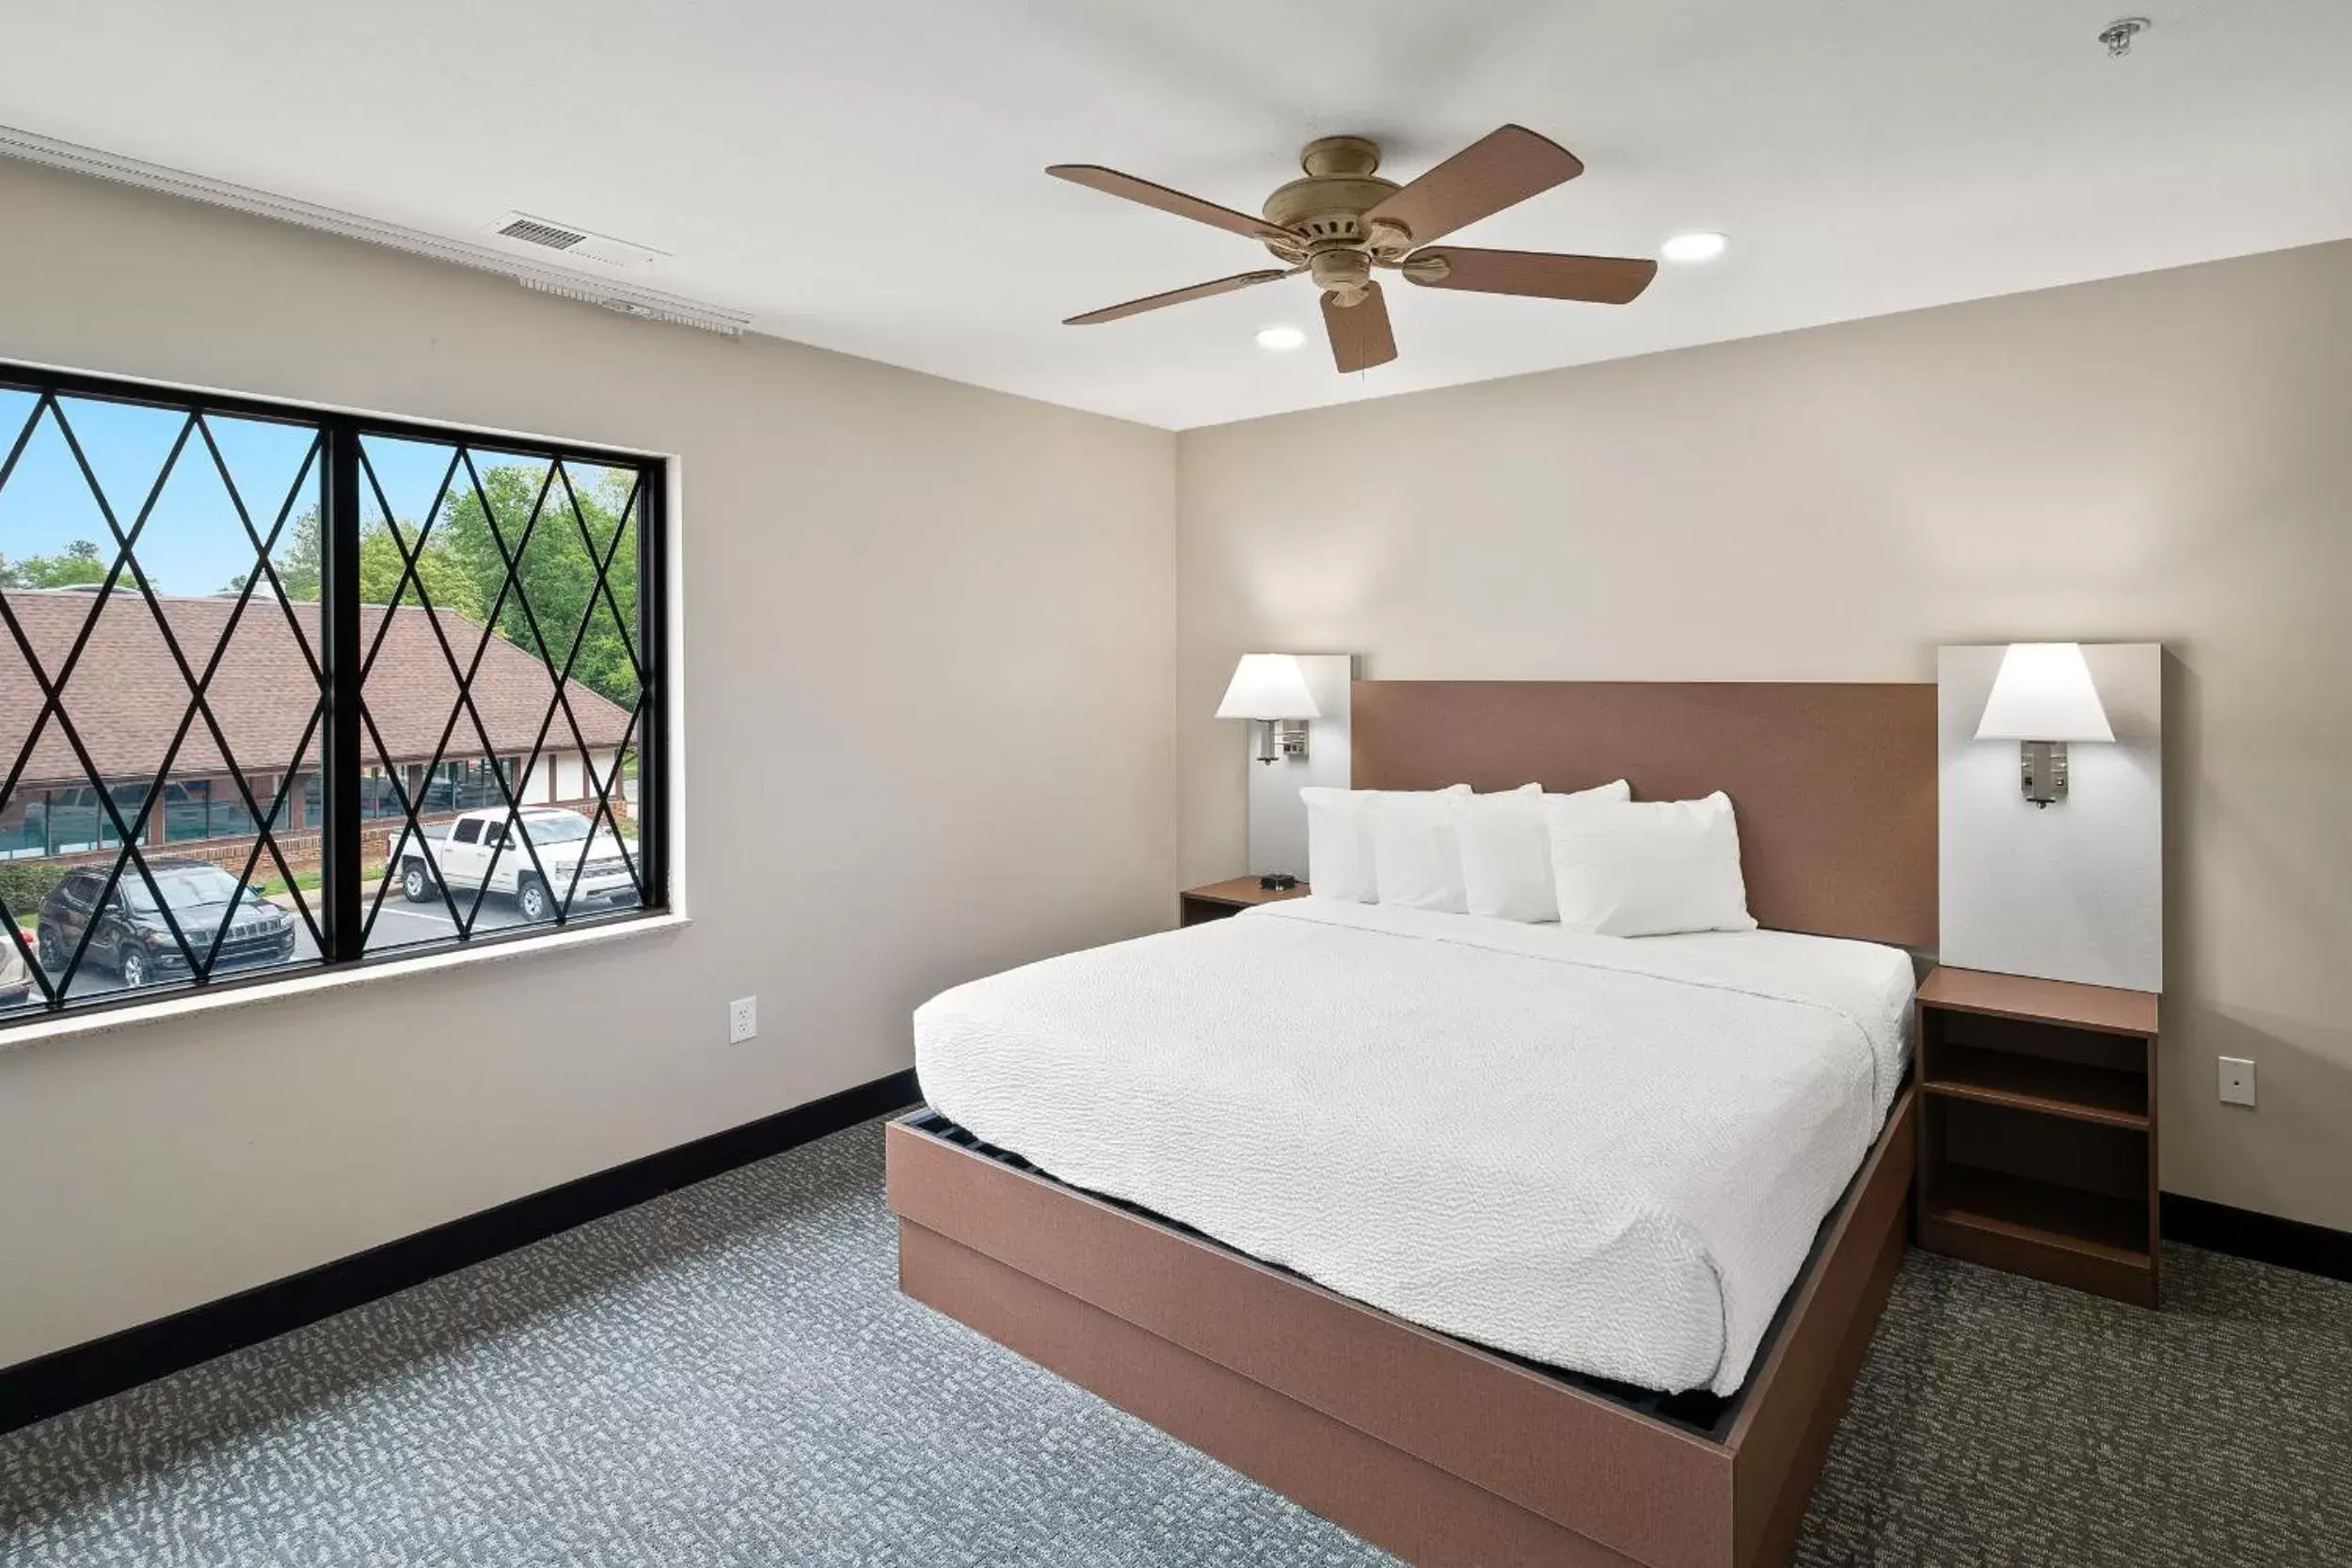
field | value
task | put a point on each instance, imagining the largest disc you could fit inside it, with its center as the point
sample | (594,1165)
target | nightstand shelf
(2041,1084)
(2038,1145)
(2045,1215)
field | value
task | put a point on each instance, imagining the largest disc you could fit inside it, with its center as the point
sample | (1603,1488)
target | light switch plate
(742,1019)
(2238,1081)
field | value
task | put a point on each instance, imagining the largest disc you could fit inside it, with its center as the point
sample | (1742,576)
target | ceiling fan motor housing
(1327,208)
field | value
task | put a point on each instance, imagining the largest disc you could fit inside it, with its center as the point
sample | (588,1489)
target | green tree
(447,580)
(463,566)
(77,564)
(298,562)
(557,574)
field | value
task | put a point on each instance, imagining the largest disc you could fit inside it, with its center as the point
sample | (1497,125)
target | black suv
(131,936)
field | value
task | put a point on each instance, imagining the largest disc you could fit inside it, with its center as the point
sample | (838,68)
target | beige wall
(927,640)
(2162,457)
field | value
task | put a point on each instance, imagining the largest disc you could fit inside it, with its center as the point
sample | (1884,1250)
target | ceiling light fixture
(1343,219)
(1281,340)
(1702,246)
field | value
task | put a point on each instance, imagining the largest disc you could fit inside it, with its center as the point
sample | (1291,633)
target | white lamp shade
(1268,686)
(2043,692)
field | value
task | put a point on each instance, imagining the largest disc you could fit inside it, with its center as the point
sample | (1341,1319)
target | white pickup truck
(483,846)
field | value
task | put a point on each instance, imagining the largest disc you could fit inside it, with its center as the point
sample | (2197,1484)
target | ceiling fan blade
(1360,337)
(1177,296)
(1111,182)
(1601,279)
(1494,172)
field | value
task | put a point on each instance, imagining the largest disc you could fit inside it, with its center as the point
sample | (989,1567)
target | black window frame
(345,892)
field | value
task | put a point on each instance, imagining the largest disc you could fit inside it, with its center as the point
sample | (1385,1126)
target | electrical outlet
(2238,1081)
(742,1019)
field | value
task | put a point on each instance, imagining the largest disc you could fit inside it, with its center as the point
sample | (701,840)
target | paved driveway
(400,924)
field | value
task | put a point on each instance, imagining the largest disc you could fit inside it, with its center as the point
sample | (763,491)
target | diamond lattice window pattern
(281,689)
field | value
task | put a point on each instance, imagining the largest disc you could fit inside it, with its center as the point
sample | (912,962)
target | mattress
(1607,1155)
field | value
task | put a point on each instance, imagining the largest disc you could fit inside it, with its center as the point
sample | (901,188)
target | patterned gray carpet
(727,1376)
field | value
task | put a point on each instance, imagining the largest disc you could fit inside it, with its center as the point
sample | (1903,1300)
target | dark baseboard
(2264,1238)
(47,1386)
(50,1385)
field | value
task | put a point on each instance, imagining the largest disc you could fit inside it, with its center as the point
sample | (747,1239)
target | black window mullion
(342,834)
(652,805)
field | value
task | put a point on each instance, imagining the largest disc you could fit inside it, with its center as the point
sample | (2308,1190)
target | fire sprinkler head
(2117,35)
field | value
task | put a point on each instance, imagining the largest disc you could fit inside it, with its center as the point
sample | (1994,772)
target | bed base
(1439,1452)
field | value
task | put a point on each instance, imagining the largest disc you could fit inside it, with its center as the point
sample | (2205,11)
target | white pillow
(1341,861)
(1506,850)
(1648,868)
(1416,856)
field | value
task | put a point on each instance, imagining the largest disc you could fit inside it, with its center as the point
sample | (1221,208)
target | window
(283,690)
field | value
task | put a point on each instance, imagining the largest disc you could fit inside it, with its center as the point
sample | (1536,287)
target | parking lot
(399,924)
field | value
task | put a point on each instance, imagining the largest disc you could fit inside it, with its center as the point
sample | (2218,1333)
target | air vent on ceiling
(548,273)
(574,240)
(532,231)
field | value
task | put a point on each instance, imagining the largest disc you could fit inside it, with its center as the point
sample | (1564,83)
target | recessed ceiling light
(1281,340)
(1693,247)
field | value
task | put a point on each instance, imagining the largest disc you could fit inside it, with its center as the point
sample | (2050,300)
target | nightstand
(2037,1142)
(1220,900)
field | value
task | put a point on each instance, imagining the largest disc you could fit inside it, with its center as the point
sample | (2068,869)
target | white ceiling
(865,174)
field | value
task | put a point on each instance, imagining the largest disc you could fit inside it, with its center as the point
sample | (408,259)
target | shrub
(24,883)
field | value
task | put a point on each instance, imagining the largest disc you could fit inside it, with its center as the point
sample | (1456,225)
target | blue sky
(193,542)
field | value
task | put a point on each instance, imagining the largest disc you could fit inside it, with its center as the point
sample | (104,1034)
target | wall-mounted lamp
(1272,689)
(2041,699)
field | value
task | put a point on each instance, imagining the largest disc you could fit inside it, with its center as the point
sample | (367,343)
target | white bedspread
(1605,1154)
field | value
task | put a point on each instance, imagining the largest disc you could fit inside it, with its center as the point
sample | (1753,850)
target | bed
(1588,1286)
(1606,1156)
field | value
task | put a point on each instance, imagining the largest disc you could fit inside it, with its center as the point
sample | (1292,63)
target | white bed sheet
(1606,1154)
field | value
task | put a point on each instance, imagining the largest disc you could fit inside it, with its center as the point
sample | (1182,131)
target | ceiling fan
(1342,220)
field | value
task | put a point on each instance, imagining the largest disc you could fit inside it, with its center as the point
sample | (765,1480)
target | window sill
(192,1003)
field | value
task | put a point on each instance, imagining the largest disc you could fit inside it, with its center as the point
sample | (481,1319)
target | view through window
(280,689)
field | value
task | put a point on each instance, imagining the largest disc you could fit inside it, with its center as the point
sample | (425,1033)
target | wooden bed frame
(1442,1452)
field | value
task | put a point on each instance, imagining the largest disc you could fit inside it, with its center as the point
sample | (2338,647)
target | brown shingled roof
(126,697)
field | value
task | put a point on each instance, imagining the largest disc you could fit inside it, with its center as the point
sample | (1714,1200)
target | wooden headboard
(1833,784)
